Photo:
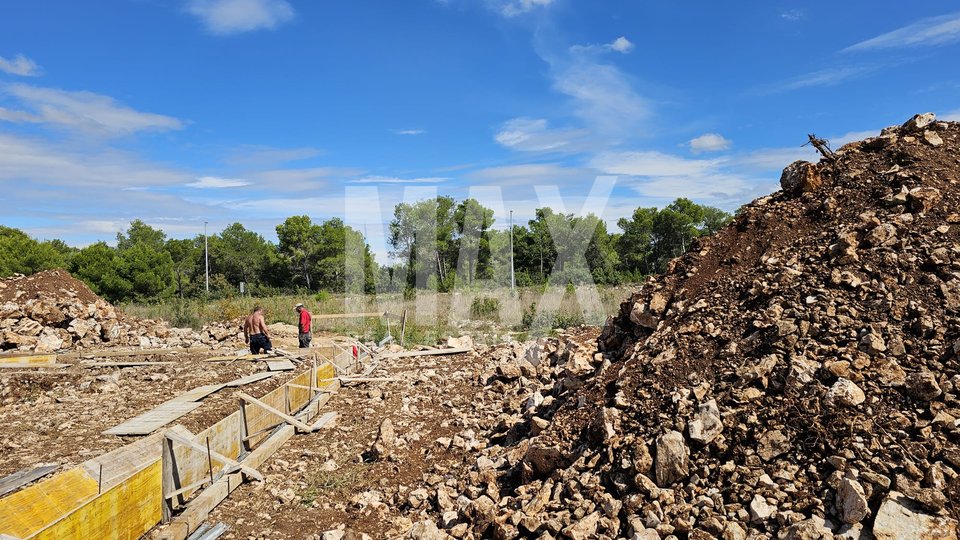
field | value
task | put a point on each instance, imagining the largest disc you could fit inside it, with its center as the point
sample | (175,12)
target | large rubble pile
(795,376)
(51,311)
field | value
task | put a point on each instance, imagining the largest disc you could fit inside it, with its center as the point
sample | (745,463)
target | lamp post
(513,283)
(206,257)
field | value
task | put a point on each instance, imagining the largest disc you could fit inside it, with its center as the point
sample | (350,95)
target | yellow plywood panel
(38,359)
(29,510)
(125,512)
(192,465)
(325,372)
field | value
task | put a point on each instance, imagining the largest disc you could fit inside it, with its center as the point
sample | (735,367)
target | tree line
(438,244)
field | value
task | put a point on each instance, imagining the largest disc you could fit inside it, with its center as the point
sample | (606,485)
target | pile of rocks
(795,376)
(51,311)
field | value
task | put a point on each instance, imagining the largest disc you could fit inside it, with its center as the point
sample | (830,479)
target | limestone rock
(801,176)
(845,393)
(672,458)
(851,501)
(900,517)
(707,425)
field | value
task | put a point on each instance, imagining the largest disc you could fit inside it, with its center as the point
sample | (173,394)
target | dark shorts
(260,342)
(305,340)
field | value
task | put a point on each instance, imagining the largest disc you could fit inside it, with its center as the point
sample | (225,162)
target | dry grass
(431,316)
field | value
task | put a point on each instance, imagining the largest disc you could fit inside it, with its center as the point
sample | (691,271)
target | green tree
(146,265)
(187,257)
(635,245)
(299,246)
(20,254)
(102,269)
(140,233)
(241,255)
(423,234)
(473,221)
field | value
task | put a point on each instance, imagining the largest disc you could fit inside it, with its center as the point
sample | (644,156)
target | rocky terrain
(51,311)
(795,376)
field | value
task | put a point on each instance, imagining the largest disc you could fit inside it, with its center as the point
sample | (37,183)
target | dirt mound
(794,376)
(50,284)
(51,311)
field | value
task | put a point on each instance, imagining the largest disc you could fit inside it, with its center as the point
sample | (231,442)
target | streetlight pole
(513,283)
(206,257)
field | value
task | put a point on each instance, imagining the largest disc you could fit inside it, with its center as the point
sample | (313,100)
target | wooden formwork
(125,493)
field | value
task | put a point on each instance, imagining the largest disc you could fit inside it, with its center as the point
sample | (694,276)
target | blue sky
(184,111)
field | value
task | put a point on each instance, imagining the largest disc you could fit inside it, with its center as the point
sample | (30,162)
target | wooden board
(124,512)
(188,466)
(124,364)
(231,358)
(26,512)
(29,359)
(33,366)
(117,465)
(199,392)
(23,477)
(154,419)
(111,353)
(434,352)
(280,365)
(250,379)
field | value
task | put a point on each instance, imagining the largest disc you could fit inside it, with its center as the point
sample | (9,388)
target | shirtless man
(255,332)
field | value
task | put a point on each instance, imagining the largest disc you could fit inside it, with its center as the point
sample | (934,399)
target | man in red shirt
(303,327)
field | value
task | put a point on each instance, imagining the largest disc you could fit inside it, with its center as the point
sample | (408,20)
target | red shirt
(304,321)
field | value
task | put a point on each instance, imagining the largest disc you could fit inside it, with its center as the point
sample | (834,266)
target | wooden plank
(250,357)
(250,379)
(124,364)
(126,511)
(34,366)
(112,353)
(26,512)
(199,509)
(17,480)
(323,316)
(118,465)
(154,419)
(325,421)
(283,416)
(436,352)
(29,359)
(280,365)
(185,466)
(199,392)
(182,438)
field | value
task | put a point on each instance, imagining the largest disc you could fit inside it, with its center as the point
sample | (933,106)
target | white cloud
(652,163)
(535,135)
(530,174)
(224,17)
(929,32)
(709,142)
(793,15)
(512,8)
(396,180)
(36,161)
(302,179)
(409,131)
(824,77)
(603,96)
(83,111)
(214,182)
(20,65)
(263,155)
(952,116)
(621,45)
